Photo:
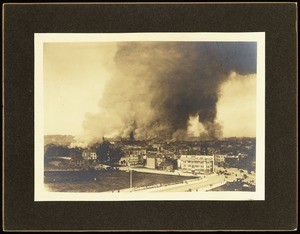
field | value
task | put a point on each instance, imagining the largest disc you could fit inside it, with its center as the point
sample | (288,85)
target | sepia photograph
(152,116)
(121,117)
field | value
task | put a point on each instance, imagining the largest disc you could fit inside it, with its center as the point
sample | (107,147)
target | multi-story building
(219,158)
(158,146)
(155,161)
(135,154)
(89,154)
(197,164)
(151,162)
(231,160)
(134,159)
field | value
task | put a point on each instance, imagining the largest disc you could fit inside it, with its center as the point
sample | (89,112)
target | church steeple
(131,136)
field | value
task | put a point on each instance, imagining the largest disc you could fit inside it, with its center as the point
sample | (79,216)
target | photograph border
(41,194)
(279,210)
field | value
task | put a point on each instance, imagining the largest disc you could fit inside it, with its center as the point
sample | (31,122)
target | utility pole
(130,180)
(130,177)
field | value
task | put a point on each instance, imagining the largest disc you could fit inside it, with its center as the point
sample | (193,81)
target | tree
(107,153)
(53,150)
(171,161)
(102,150)
(115,155)
(76,152)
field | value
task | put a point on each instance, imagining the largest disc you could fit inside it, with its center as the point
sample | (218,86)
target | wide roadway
(200,185)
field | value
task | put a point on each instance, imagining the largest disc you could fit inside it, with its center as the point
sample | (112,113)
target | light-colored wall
(150,163)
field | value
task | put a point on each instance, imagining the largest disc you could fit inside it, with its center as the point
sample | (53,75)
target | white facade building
(197,164)
(89,155)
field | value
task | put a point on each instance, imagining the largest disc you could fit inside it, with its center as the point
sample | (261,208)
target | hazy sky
(237,106)
(74,78)
(75,75)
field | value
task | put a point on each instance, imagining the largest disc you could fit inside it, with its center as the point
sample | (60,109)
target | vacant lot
(102,181)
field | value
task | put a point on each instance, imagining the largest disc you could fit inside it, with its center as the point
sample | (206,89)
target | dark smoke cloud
(157,85)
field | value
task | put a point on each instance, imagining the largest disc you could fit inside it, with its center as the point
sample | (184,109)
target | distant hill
(64,140)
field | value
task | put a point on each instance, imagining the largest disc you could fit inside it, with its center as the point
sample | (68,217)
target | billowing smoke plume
(157,86)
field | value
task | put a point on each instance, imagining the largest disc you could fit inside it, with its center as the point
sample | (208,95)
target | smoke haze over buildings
(156,88)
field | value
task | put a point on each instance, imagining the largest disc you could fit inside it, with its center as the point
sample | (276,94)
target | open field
(102,181)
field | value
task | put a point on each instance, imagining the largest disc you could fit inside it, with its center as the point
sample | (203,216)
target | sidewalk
(190,182)
(153,171)
(158,187)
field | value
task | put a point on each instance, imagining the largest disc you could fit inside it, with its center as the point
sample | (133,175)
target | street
(147,170)
(201,185)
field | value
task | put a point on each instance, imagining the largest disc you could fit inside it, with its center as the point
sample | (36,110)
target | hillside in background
(64,140)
